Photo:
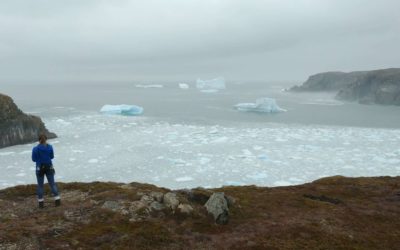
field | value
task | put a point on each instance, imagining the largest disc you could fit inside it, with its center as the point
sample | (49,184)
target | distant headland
(366,87)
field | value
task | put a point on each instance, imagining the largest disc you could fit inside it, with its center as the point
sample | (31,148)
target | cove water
(186,138)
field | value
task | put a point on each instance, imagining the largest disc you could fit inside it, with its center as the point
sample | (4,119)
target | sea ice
(128,110)
(146,86)
(184,178)
(93,161)
(282,183)
(262,105)
(210,86)
(6,153)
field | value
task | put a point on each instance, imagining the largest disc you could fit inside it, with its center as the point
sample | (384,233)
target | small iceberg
(183,85)
(262,105)
(128,110)
(211,86)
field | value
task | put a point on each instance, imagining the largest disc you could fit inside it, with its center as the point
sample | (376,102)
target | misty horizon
(75,41)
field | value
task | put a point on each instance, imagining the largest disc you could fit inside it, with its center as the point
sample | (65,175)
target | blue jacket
(42,154)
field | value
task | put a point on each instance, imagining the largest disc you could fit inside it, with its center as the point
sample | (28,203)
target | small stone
(157,206)
(171,201)
(157,196)
(185,208)
(94,202)
(124,212)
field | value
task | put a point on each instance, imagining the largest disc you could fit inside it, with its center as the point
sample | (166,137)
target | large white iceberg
(128,110)
(211,85)
(262,105)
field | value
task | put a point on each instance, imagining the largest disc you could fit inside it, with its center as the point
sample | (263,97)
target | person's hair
(42,138)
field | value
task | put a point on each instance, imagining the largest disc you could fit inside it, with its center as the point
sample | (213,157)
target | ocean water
(186,138)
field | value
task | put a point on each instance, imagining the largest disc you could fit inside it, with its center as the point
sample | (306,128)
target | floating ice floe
(183,85)
(145,86)
(128,110)
(262,105)
(211,86)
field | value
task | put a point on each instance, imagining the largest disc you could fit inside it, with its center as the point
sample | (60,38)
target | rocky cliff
(17,127)
(330,213)
(367,87)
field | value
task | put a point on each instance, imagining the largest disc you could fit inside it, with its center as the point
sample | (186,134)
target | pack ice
(262,105)
(128,110)
(211,85)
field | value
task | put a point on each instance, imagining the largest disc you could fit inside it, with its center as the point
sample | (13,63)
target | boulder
(147,199)
(157,206)
(137,206)
(217,205)
(112,205)
(157,196)
(171,201)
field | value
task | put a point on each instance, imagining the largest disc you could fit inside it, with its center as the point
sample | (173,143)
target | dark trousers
(52,184)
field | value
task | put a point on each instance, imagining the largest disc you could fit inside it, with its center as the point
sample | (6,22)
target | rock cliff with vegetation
(330,213)
(17,127)
(366,87)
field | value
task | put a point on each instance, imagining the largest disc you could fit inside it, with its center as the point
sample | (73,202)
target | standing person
(42,154)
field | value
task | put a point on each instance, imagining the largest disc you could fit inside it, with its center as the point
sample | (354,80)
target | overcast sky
(156,40)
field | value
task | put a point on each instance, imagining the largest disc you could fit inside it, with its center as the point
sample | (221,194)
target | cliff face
(380,86)
(366,87)
(17,127)
(329,81)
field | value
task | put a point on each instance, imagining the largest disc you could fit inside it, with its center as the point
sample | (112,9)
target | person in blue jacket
(42,154)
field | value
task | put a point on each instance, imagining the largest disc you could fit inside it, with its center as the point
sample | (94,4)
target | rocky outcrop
(328,81)
(17,127)
(330,213)
(366,87)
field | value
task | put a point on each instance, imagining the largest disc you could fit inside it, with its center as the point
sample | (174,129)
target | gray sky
(156,40)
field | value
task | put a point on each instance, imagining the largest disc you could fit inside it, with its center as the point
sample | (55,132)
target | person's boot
(57,202)
(41,204)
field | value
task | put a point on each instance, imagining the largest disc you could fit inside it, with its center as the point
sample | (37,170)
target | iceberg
(128,110)
(183,85)
(210,86)
(262,105)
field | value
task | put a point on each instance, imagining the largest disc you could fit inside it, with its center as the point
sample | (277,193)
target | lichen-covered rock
(171,200)
(136,206)
(157,196)
(218,207)
(112,205)
(17,127)
(157,206)
(147,199)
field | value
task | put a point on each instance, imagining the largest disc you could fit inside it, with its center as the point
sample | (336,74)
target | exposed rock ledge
(330,213)
(366,87)
(17,127)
